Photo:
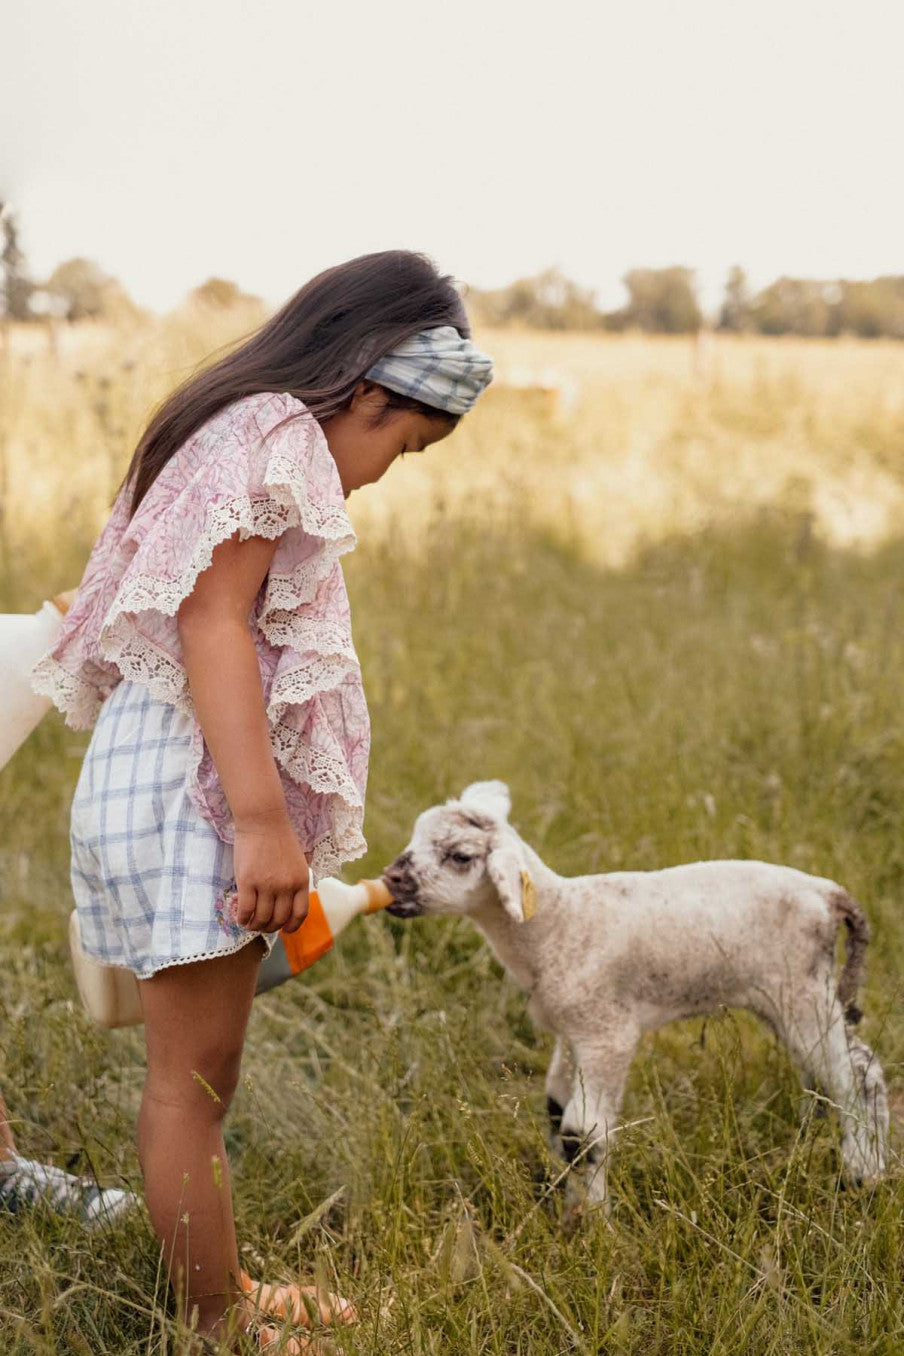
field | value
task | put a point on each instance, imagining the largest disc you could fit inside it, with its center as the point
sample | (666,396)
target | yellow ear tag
(528,896)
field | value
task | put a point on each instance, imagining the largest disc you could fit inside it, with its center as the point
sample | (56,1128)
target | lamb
(604,958)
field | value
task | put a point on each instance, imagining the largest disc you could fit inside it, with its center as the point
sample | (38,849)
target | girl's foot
(25,1183)
(298,1303)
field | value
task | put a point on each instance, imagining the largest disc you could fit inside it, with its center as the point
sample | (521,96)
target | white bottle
(110,992)
(23,641)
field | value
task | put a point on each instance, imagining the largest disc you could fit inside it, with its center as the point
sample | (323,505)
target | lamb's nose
(399,873)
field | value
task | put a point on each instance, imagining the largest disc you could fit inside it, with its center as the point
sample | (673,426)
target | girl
(210,641)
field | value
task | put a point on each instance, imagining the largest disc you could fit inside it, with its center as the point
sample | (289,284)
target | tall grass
(664,665)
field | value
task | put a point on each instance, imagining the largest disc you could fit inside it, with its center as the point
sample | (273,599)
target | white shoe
(25,1183)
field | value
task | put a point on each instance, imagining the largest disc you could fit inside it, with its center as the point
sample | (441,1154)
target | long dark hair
(316,348)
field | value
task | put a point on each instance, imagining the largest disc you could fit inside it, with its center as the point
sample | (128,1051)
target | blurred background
(654,581)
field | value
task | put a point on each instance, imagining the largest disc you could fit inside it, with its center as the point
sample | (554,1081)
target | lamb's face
(462,857)
(444,867)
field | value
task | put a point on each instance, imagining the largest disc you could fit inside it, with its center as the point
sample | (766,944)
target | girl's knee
(217,1077)
(203,1083)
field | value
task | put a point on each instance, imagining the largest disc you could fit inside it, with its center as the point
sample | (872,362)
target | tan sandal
(269,1339)
(273,1340)
(302,1304)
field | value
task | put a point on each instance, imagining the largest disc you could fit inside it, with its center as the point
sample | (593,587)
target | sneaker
(25,1183)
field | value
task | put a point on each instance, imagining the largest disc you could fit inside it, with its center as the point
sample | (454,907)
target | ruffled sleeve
(260,468)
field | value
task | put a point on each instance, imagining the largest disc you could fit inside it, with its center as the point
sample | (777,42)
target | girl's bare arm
(224,676)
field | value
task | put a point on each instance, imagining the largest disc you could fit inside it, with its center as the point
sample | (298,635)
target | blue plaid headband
(437,367)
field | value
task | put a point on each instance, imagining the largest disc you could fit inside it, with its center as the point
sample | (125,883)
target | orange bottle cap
(312,940)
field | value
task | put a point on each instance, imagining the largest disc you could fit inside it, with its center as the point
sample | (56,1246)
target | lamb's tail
(851,914)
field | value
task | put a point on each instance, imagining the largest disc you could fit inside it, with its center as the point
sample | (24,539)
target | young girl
(210,641)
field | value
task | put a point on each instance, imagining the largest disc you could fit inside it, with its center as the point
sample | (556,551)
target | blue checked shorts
(152,880)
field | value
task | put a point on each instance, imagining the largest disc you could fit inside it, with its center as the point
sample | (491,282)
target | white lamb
(604,958)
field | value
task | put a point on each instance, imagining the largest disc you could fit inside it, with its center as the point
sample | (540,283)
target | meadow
(655,587)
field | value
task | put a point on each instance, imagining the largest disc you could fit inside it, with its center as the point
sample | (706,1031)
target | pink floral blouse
(231,476)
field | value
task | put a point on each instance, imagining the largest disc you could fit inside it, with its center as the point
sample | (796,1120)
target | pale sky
(175,139)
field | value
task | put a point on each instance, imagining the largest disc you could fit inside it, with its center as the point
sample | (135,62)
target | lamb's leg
(873,1099)
(559,1078)
(847,1071)
(591,1114)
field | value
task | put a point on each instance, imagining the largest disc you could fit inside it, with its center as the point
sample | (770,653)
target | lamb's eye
(461,858)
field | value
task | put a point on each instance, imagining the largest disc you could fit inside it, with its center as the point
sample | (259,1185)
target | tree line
(659,300)
(666,301)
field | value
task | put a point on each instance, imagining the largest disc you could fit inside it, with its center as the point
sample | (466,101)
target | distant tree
(661,300)
(548,301)
(85,292)
(15,285)
(795,306)
(871,309)
(735,310)
(221,294)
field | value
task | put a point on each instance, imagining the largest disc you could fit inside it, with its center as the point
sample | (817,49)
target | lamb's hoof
(547,1181)
(861,1181)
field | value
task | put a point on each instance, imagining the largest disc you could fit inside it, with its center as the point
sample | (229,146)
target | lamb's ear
(488,798)
(505,867)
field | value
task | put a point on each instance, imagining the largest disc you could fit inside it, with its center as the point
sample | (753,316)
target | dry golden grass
(616,442)
(651,436)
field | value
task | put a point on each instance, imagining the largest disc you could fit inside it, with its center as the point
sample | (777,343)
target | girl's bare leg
(195,1019)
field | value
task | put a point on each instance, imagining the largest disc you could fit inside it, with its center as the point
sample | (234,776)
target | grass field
(666,606)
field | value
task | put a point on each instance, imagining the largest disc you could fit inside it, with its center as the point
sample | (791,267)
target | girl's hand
(271,874)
